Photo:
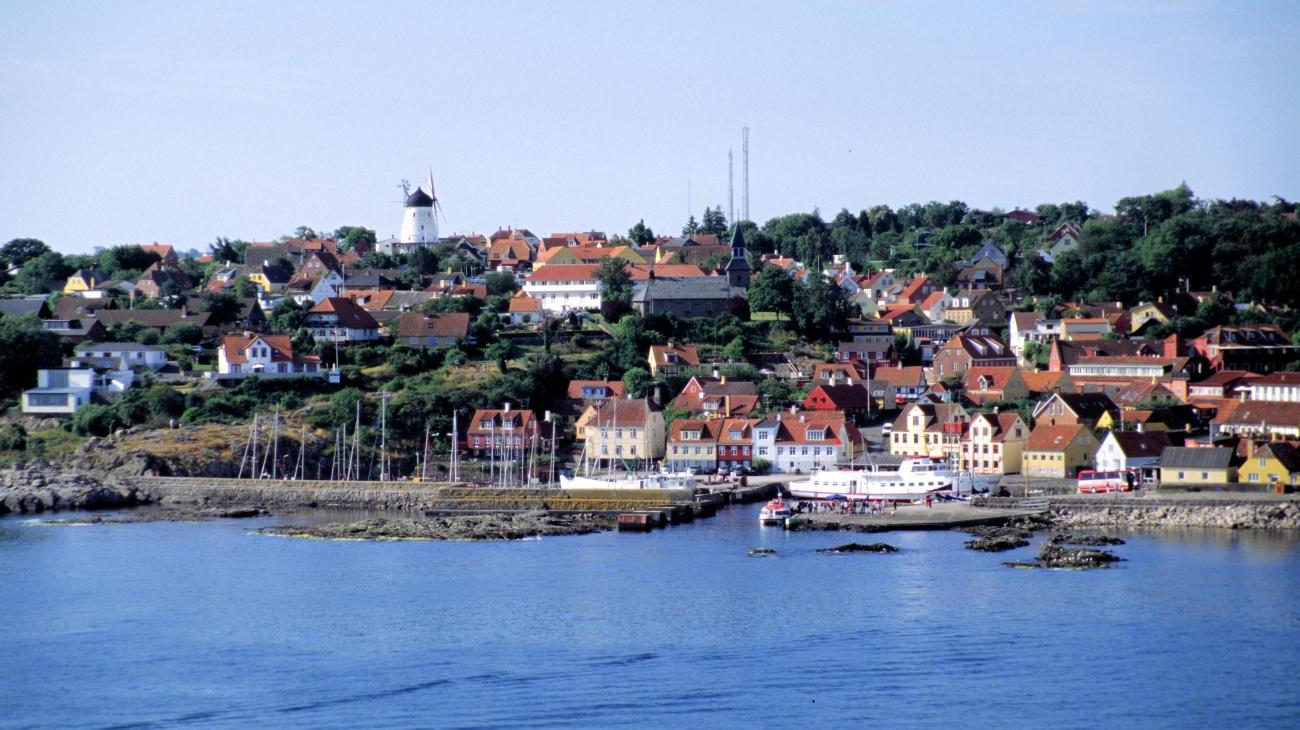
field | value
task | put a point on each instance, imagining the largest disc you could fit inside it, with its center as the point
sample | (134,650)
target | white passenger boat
(914,479)
(652,480)
(775,512)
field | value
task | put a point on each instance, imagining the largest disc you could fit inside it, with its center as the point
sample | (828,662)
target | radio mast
(744,172)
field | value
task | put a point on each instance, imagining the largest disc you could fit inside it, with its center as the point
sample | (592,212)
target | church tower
(738,268)
(419,220)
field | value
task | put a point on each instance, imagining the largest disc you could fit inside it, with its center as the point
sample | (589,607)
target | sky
(133,122)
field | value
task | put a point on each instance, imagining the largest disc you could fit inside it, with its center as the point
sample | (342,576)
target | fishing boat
(774,512)
(914,478)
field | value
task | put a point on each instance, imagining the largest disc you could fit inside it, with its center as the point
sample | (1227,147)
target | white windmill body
(419,222)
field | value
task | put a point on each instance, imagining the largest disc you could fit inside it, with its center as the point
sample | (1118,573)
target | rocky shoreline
(41,487)
(1238,516)
(493,526)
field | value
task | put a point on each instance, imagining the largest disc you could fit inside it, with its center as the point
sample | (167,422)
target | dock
(942,516)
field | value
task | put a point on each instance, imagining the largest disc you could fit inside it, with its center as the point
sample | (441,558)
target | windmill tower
(420,217)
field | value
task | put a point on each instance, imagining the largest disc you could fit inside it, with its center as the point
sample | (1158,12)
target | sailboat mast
(383,435)
(254,440)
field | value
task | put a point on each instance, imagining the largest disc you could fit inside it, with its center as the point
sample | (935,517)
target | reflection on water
(205,625)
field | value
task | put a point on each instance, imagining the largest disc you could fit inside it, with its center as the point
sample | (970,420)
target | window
(632,449)
(1255,477)
(47,399)
(1205,476)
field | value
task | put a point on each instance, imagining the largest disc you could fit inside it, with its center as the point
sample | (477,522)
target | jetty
(942,516)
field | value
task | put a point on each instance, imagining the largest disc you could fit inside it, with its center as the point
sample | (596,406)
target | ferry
(775,512)
(915,478)
(654,480)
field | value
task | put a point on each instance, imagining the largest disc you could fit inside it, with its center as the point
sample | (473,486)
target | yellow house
(670,359)
(1273,463)
(1196,466)
(271,277)
(1157,311)
(624,429)
(928,429)
(84,280)
(1059,452)
(994,443)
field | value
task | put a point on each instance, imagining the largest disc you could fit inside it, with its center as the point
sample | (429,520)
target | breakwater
(401,496)
(1234,512)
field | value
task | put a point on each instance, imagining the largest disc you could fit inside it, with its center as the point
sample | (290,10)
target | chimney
(1214,288)
(726,400)
(716,372)
(507,408)
(723,380)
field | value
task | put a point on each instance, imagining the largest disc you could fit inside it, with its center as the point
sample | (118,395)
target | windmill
(437,205)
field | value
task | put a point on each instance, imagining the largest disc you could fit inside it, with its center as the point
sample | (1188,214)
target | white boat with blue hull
(914,479)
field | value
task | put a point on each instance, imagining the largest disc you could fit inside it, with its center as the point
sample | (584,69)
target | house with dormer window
(692,445)
(241,356)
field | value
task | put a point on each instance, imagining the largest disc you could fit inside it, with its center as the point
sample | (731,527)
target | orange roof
(524,305)
(913,287)
(370,299)
(1042,381)
(687,355)
(997,376)
(236,348)
(1052,438)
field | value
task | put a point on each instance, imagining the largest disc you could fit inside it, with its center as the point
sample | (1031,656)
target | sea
(210,625)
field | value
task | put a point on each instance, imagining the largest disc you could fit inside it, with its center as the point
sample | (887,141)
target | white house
(1131,450)
(317,288)
(59,392)
(121,355)
(240,356)
(564,287)
(802,442)
(338,319)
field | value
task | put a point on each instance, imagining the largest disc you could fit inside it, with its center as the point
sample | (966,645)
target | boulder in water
(857,547)
(997,543)
(1085,540)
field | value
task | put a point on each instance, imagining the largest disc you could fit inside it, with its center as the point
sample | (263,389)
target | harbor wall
(406,496)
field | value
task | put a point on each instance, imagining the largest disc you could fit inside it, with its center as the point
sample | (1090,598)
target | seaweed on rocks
(1071,539)
(1056,556)
(997,543)
(492,526)
(857,547)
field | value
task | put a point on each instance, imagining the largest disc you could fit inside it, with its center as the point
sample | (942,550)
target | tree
(640,234)
(692,226)
(715,222)
(305,233)
(222,307)
(228,251)
(25,347)
(39,272)
(94,419)
(771,291)
(352,238)
(638,382)
(423,260)
(735,349)
(287,316)
(243,288)
(615,287)
(183,333)
(821,308)
(500,282)
(21,250)
(499,352)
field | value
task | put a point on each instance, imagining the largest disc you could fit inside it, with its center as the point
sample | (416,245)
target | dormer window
(815,434)
(734,435)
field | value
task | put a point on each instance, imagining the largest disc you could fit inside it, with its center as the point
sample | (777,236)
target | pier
(942,516)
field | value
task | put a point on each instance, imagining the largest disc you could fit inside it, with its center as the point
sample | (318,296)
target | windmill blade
(437,209)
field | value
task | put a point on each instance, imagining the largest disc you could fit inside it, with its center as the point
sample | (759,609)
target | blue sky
(179,122)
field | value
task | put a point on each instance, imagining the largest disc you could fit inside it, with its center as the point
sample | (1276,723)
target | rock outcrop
(857,547)
(1258,514)
(1056,556)
(39,487)
(464,527)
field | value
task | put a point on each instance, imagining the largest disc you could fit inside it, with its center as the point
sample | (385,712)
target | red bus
(1091,482)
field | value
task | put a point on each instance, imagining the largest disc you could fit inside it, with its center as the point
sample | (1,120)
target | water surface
(208,626)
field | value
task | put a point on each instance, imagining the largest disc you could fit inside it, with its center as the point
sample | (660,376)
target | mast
(424,464)
(454,461)
(302,454)
(550,479)
(275,443)
(356,445)
(383,435)
(248,444)
(253,437)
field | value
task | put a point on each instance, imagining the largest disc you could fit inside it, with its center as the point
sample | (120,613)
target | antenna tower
(731,184)
(744,172)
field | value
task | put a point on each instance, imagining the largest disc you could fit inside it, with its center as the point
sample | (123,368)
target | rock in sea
(856,547)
